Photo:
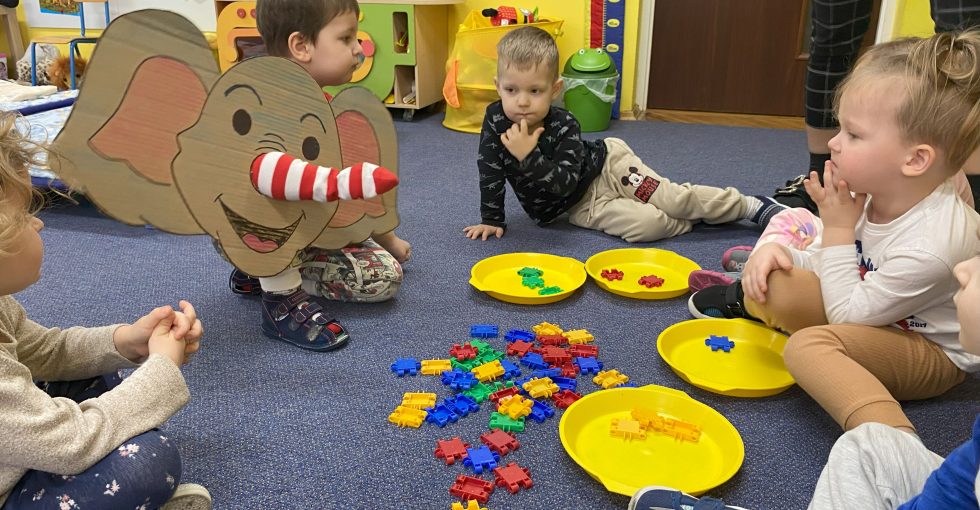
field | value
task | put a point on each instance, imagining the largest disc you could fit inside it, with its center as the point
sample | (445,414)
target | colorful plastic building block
(480,344)
(610,379)
(451,450)
(612,274)
(407,417)
(510,370)
(419,400)
(541,387)
(506,423)
(500,441)
(651,280)
(533,360)
(462,404)
(565,398)
(719,342)
(470,505)
(500,385)
(519,334)
(548,291)
(626,429)
(488,355)
(530,272)
(458,379)
(479,392)
(406,366)
(512,477)
(519,348)
(565,383)
(579,336)
(569,370)
(466,365)
(515,407)
(471,487)
(503,393)
(540,412)
(546,372)
(484,331)
(441,415)
(552,339)
(481,459)
(532,282)
(547,328)
(554,355)
(584,351)
(488,371)
(463,352)
(435,366)
(654,421)
(588,365)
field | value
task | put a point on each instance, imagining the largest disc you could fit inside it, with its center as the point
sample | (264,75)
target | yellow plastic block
(407,417)
(579,336)
(627,429)
(419,400)
(488,371)
(645,416)
(656,422)
(435,366)
(610,378)
(547,328)
(515,407)
(471,504)
(541,387)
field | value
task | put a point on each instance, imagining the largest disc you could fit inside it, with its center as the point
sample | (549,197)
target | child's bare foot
(396,246)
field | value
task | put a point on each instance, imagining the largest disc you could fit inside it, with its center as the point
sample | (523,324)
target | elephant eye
(242,122)
(311,148)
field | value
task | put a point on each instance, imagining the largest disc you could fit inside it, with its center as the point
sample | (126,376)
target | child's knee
(806,345)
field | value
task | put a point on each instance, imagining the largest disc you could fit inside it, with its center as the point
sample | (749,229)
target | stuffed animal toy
(501,16)
(59,72)
(46,54)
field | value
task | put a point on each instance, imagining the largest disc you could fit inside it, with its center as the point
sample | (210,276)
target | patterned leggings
(838,29)
(141,474)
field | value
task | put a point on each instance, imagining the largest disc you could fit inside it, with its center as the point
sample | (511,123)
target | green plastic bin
(590,78)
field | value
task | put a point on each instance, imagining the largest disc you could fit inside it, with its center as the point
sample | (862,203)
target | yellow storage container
(471,67)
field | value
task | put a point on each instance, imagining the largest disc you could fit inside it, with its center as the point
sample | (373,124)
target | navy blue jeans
(141,473)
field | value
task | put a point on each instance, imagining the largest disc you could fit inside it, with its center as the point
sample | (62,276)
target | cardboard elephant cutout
(158,136)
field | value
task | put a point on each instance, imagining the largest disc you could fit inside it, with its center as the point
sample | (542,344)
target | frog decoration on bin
(594,60)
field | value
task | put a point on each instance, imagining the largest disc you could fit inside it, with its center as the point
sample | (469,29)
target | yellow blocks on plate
(610,378)
(656,422)
(435,366)
(627,429)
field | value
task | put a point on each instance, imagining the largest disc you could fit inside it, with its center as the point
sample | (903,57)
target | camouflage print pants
(363,273)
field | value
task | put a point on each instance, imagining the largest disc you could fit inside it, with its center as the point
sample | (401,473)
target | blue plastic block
(462,404)
(719,342)
(406,366)
(519,334)
(458,379)
(547,372)
(484,331)
(510,369)
(540,411)
(481,459)
(440,415)
(534,361)
(566,383)
(588,365)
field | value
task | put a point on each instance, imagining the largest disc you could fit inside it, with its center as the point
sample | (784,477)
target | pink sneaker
(703,278)
(733,260)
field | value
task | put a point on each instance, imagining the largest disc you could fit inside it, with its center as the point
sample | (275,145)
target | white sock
(283,283)
(752,206)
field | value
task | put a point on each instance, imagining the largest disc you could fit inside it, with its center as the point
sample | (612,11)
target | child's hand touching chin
(518,141)
(183,329)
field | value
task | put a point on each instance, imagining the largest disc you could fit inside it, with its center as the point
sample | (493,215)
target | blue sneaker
(298,318)
(665,498)
(719,302)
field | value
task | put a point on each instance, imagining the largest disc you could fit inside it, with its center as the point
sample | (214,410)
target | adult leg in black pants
(838,27)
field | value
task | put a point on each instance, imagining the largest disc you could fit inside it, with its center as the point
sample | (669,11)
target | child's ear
(299,47)
(919,159)
(557,88)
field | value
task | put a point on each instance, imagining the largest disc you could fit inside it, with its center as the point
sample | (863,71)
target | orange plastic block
(656,422)
(627,429)
(515,406)
(488,371)
(419,400)
(435,366)
(541,387)
(610,378)
(470,505)
(547,328)
(407,417)
(579,336)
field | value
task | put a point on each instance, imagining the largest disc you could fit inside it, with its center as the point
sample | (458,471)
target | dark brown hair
(278,19)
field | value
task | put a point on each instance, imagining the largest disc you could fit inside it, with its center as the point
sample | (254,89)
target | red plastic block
(518,348)
(565,398)
(471,487)
(556,356)
(651,280)
(584,351)
(512,477)
(463,352)
(552,339)
(500,441)
(612,274)
(506,392)
(569,370)
(451,450)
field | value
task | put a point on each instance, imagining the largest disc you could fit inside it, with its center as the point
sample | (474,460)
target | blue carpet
(272,426)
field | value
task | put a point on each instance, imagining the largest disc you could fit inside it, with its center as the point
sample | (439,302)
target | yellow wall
(576,31)
(913,19)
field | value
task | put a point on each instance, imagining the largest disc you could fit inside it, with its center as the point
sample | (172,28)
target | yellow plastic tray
(638,262)
(753,368)
(497,276)
(624,466)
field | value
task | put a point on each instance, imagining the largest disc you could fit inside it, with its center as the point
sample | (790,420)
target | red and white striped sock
(282,177)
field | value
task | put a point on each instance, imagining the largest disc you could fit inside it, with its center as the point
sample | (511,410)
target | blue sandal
(298,318)
(665,498)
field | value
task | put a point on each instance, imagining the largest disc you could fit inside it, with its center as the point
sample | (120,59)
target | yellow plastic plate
(497,276)
(753,368)
(638,262)
(624,466)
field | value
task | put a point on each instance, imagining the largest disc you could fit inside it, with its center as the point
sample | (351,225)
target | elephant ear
(147,81)
(367,133)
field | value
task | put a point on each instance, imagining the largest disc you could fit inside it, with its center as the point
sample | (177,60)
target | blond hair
(942,83)
(526,48)
(18,199)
